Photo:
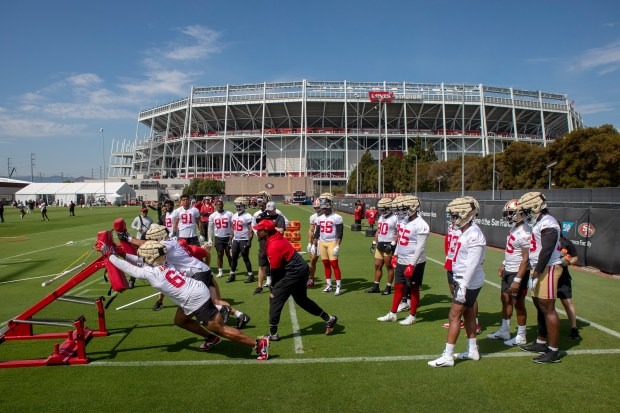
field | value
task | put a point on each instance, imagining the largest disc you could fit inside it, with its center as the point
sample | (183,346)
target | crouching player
(191,295)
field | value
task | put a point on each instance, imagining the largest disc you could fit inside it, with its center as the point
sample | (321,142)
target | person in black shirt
(565,288)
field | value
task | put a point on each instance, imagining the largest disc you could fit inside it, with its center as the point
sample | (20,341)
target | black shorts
(416,278)
(205,277)
(221,243)
(191,240)
(565,286)
(262,257)
(508,277)
(470,296)
(385,247)
(205,313)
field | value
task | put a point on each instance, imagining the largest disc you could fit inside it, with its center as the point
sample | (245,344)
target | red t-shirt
(205,211)
(284,261)
(371,214)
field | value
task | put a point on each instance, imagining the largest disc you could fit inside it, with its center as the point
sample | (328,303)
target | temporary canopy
(63,193)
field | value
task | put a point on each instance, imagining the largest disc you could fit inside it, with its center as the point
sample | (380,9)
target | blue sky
(70,68)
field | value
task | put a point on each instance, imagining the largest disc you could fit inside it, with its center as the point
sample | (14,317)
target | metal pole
(379,164)
(493,176)
(105,193)
(330,169)
(416,174)
(357,148)
(549,187)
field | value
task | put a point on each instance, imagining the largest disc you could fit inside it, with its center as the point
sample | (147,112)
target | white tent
(63,193)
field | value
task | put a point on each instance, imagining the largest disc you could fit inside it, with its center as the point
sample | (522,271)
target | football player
(546,269)
(328,237)
(193,297)
(514,275)
(220,224)
(242,239)
(409,258)
(468,280)
(383,246)
(185,222)
(311,229)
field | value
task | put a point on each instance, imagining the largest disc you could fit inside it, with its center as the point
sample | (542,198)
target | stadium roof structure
(320,129)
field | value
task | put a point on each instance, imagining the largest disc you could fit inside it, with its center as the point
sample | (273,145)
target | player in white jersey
(409,259)
(546,269)
(314,220)
(242,238)
(402,217)
(514,275)
(383,246)
(220,227)
(192,296)
(168,215)
(185,222)
(328,237)
(468,280)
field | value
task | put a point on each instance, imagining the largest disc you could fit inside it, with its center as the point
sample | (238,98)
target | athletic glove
(566,260)
(123,236)
(309,247)
(394,261)
(531,284)
(313,250)
(336,250)
(175,236)
(209,244)
(201,239)
(460,294)
(106,250)
(373,247)
(391,248)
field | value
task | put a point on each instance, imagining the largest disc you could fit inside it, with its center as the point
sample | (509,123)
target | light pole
(550,169)
(439,178)
(416,174)
(357,146)
(493,174)
(330,168)
(379,165)
(105,193)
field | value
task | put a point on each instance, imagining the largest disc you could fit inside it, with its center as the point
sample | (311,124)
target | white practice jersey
(314,219)
(468,258)
(452,238)
(327,225)
(411,244)
(387,228)
(185,292)
(169,220)
(547,221)
(180,259)
(519,237)
(260,212)
(241,225)
(221,222)
(188,219)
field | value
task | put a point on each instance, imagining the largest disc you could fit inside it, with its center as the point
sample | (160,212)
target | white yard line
(281,361)
(583,320)
(137,301)
(299,346)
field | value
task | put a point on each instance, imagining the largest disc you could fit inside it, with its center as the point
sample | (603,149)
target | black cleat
(374,289)
(330,324)
(231,278)
(272,337)
(574,334)
(387,290)
(158,306)
(540,348)
(258,290)
(242,321)
(548,357)
(250,279)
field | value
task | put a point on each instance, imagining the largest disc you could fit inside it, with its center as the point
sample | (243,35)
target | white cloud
(36,127)
(84,79)
(593,108)
(205,42)
(604,59)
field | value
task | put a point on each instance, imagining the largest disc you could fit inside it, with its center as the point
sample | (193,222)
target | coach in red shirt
(289,274)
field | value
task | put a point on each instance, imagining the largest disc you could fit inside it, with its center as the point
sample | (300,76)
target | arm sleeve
(420,247)
(210,230)
(570,247)
(128,268)
(317,231)
(339,231)
(548,239)
(474,257)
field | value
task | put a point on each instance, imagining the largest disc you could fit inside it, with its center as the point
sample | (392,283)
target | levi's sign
(378,96)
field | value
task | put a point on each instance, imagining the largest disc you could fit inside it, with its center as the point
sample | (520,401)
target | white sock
(471,344)
(521,330)
(338,283)
(329,282)
(220,271)
(238,314)
(539,341)
(269,279)
(449,350)
(505,325)
(250,274)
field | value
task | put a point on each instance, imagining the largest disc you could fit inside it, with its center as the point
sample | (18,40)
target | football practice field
(147,364)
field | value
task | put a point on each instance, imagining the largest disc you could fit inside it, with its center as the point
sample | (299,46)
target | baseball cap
(144,210)
(271,206)
(266,224)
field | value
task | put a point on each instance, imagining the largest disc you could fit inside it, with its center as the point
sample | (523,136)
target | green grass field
(147,364)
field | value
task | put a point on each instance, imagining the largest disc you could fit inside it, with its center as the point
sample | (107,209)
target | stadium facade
(321,129)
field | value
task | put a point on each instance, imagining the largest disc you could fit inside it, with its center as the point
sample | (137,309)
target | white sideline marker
(137,301)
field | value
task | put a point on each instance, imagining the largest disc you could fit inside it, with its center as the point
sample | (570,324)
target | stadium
(320,129)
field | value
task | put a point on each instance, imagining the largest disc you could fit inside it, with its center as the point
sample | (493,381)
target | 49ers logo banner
(378,96)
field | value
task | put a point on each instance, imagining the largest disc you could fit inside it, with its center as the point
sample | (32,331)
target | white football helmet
(325,203)
(531,205)
(385,206)
(510,212)
(462,211)
(150,251)
(316,204)
(396,205)
(327,195)
(409,205)
(240,203)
